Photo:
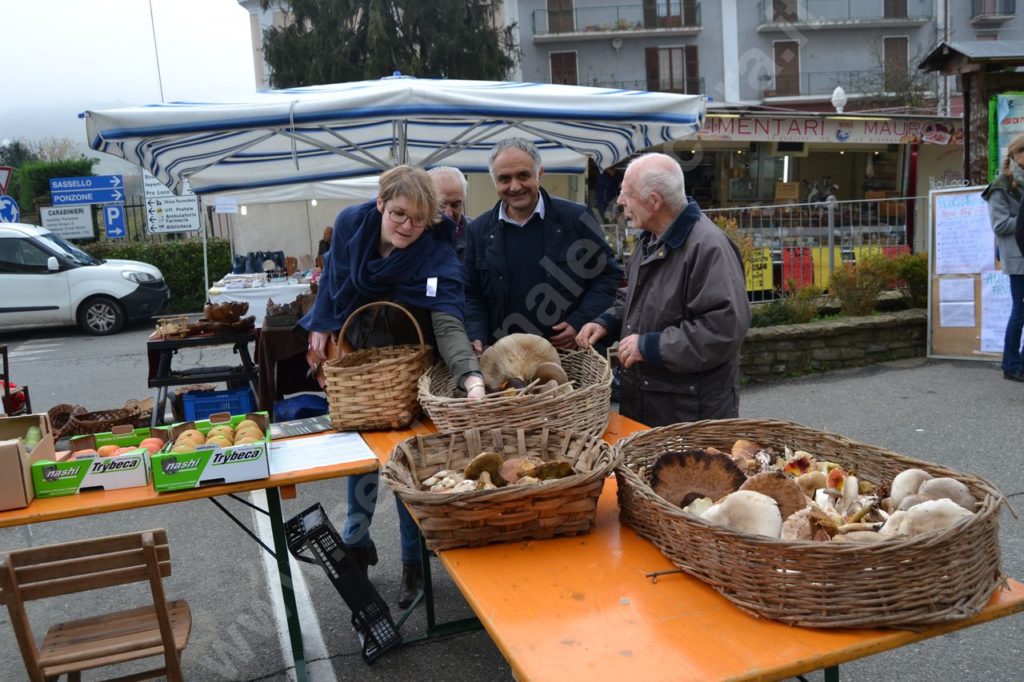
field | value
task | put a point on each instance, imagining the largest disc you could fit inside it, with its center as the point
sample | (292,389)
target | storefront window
(752,174)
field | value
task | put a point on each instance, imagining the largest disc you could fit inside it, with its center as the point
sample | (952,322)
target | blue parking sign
(113,218)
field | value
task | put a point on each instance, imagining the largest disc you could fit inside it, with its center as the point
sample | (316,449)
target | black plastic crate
(311,530)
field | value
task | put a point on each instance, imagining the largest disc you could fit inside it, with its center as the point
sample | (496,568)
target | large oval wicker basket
(567,506)
(932,578)
(583,409)
(100,421)
(375,388)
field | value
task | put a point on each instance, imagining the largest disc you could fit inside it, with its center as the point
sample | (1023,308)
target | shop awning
(312,134)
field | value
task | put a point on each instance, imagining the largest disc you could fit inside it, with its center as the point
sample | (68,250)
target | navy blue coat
(587,284)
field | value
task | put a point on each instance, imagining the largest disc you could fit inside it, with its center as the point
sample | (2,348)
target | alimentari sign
(854,131)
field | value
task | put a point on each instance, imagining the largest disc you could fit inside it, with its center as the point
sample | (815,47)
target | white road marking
(27,349)
(312,637)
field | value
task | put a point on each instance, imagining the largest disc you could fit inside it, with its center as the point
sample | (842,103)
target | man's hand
(478,346)
(318,345)
(591,333)
(629,351)
(565,336)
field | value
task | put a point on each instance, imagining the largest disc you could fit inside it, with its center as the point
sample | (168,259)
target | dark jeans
(1012,363)
(362,498)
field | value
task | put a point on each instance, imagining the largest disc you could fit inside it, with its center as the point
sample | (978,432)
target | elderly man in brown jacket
(684,312)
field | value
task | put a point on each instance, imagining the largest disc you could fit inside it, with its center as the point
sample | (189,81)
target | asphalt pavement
(958,413)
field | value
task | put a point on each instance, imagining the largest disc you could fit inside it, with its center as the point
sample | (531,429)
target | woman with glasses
(397,247)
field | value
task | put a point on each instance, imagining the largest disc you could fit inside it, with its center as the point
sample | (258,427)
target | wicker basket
(60,417)
(97,422)
(141,412)
(566,506)
(932,578)
(584,409)
(375,388)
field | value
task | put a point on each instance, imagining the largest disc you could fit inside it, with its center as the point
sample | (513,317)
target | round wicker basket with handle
(375,388)
(932,578)
(566,506)
(583,409)
(100,421)
(60,418)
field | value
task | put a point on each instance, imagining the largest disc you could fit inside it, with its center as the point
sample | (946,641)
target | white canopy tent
(292,142)
(313,134)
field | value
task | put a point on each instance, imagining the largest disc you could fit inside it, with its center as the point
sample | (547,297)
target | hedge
(181,263)
(33,178)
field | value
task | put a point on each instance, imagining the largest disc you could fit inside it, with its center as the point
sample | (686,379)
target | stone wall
(777,352)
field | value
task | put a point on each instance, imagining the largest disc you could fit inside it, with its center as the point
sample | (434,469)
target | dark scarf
(355,273)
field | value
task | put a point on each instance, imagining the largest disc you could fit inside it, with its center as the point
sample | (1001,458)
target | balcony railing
(843,12)
(810,83)
(689,86)
(986,11)
(662,15)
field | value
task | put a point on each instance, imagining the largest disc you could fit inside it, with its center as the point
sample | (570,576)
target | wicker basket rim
(435,499)
(989,505)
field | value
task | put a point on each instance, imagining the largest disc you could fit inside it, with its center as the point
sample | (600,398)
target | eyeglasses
(399,217)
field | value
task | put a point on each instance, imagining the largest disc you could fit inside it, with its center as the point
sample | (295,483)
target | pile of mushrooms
(794,496)
(490,470)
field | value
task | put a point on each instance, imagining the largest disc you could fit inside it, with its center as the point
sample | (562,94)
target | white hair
(451,172)
(659,173)
(522,145)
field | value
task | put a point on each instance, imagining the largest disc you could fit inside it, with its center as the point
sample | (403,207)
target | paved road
(962,414)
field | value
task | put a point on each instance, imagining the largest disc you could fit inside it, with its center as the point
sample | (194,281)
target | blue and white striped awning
(311,134)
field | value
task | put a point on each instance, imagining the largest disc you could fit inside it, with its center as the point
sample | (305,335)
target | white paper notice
(317,451)
(995,310)
(956,314)
(959,289)
(964,242)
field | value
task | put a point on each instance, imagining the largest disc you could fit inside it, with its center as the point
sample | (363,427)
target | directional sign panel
(99,189)
(168,212)
(113,219)
(172,214)
(89,196)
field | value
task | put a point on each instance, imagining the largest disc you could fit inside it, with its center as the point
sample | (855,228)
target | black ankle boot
(412,583)
(364,556)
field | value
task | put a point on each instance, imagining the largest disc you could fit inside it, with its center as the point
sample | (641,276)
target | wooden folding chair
(73,646)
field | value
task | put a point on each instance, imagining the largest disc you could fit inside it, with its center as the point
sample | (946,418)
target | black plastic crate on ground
(311,530)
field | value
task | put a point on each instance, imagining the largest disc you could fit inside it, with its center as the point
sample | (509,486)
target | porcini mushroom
(949,488)
(781,488)
(514,360)
(932,515)
(747,511)
(906,483)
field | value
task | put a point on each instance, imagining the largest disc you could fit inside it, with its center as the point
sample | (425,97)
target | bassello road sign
(99,189)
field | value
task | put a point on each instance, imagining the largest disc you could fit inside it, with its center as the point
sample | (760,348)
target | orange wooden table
(276,486)
(583,608)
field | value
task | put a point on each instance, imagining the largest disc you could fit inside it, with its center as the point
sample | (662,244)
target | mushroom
(486,461)
(699,506)
(745,448)
(949,488)
(859,537)
(932,515)
(513,360)
(892,524)
(800,463)
(747,511)
(811,482)
(682,477)
(906,483)
(781,488)
(798,525)
(908,502)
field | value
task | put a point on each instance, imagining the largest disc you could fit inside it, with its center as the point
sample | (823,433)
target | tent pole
(206,263)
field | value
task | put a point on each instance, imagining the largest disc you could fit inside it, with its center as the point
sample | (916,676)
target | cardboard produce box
(70,474)
(16,458)
(177,467)
(90,465)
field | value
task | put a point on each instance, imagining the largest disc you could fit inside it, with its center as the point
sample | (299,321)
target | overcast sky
(61,57)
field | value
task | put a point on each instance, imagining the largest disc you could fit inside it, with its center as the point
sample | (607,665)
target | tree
(334,41)
(16,152)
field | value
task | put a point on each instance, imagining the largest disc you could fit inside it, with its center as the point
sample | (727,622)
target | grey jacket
(686,298)
(1003,203)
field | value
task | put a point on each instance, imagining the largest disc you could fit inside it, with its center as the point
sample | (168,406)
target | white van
(46,281)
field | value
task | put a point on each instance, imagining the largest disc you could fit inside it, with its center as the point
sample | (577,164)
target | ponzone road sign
(99,189)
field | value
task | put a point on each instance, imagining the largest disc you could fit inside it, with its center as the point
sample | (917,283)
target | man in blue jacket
(535,264)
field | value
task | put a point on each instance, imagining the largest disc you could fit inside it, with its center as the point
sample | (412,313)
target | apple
(107,450)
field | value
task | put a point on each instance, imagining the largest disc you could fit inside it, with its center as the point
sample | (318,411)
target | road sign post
(113,219)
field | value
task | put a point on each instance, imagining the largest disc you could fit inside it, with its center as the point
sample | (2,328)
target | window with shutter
(895,60)
(787,68)
(560,16)
(673,69)
(563,68)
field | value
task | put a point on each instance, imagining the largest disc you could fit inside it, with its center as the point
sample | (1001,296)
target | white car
(45,281)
